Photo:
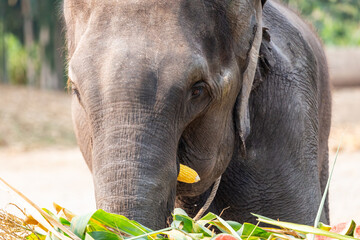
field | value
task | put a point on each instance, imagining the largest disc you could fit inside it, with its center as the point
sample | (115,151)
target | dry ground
(38,153)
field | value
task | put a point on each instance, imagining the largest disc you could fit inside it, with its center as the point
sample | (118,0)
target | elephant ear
(242,103)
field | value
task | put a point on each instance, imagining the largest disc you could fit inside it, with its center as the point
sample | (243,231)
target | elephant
(235,88)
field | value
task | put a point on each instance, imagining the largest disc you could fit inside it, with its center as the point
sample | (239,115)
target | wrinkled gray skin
(162,82)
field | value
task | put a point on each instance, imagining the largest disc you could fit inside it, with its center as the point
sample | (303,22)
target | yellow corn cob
(187,175)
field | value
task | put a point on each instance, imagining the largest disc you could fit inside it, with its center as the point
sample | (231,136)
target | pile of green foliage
(101,225)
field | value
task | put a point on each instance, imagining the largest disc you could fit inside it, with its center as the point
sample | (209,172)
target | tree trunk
(59,56)
(3,65)
(29,41)
(48,79)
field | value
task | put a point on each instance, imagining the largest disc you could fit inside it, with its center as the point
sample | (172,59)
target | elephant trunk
(135,171)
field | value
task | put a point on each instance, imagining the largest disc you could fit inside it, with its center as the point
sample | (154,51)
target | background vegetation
(32,43)
(337,21)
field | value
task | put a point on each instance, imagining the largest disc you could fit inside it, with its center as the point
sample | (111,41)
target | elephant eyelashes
(75,91)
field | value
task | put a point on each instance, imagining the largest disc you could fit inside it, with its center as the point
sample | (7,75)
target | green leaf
(50,213)
(104,236)
(223,226)
(180,215)
(181,235)
(324,226)
(176,234)
(79,223)
(196,235)
(200,225)
(64,222)
(176,223)
(351,229)
(198,228)
(95,227)
(208,217)
(179,211)
(88,237)
(119,223)
(36,236)
(153,234)
(249,229)
(188,222)
(302,228)
(219,226)
(235,225)
(62,233)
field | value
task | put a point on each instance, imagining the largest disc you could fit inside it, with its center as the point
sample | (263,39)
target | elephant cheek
(82,132)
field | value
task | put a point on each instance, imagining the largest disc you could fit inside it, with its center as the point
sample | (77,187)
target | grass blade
(79,224)
(321,207)
(119,223)
(303,228)
(104,236)
(48,218)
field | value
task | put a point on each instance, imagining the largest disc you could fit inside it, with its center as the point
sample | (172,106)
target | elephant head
(155,84)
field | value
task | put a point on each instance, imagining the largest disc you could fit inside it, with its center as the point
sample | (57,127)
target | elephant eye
(197,89)
(196,92)
(74,90)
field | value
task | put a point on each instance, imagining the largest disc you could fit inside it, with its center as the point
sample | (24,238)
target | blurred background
(38,151)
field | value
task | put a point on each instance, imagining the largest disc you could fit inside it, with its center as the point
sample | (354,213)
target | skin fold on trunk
(132,174)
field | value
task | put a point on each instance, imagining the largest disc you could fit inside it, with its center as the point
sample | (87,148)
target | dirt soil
(38,153)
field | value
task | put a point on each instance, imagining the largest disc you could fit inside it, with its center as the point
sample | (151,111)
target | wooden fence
(344,66)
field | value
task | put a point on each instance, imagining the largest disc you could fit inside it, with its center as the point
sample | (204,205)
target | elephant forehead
(161,23)
(110,49)
(124,59)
